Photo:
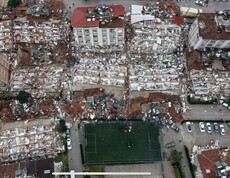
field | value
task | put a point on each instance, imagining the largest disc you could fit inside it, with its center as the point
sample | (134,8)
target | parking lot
(196,137)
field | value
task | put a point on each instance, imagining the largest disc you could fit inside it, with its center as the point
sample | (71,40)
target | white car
(69,146)
(222,129)
(200,2)
(188,126)
(201,126)
(209,128)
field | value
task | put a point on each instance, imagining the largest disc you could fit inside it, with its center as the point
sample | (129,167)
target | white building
(210,30)
(99,26)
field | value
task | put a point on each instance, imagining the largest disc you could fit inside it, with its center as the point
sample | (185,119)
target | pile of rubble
(158,72)
(47,32)
(97,69)
(150,37)
(30,142)
(33,109)
(93,105)
(34,25)
(210,83)
(6,40)
(39,81)
(156,106)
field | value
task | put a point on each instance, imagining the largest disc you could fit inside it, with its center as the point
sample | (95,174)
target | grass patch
(177,172)
(96,168)
(63,157)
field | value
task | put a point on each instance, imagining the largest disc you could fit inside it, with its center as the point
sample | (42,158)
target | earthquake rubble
(107,69)
(6,40)
(39,81)
(156,52)
(208,74)
(212,160)
(23,143)
(210,83)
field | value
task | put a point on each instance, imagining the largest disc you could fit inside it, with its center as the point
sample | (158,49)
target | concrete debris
(38,81)
(210,83)
(24,143)
(104,70)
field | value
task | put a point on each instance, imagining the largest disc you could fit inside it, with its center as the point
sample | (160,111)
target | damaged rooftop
(209,29)
(101,16)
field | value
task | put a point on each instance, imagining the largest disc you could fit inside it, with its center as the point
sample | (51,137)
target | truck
(190,12)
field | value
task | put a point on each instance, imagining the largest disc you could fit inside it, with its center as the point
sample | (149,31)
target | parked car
(222,129)
(174,127)
(209,128)
(200,2)
(228,123)
(170,145)
(69,146)
(201,126)
(188,126)
(68,133)
(215,127)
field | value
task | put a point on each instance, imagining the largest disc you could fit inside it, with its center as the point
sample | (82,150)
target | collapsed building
(34,24)
(209,70)
(210,83)
(100,70)
(39,81)
(23,143)
(4,72)
(99,26)
(156,53)
(6,39)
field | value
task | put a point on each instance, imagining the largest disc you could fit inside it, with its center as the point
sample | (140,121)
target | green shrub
(13,3)
(61,127)
(191,166)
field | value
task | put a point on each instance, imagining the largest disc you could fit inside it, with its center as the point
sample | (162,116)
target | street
(207,112)
(74,155)
(170,135)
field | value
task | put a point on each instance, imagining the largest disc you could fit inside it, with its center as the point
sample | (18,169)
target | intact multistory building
(210,30)
(99,26)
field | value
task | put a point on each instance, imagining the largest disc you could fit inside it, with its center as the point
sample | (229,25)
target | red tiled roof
(208,158)
(79,18)
(8,170)
(179,20)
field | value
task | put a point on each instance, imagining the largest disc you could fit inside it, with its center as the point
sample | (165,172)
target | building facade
(99,26)
(4,71)
(210,30)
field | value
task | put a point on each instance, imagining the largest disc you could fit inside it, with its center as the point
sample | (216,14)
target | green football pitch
(117,143)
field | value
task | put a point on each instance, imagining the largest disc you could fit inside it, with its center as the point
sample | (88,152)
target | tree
(13,3)
(61,127)
(176,158)
(23,97)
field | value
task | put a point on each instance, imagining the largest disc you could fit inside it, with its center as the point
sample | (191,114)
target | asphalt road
(207,112)
(74,155)
(170,135)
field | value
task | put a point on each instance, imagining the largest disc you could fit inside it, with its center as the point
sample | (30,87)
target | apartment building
(210,30)
(99,26)
(4,71)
